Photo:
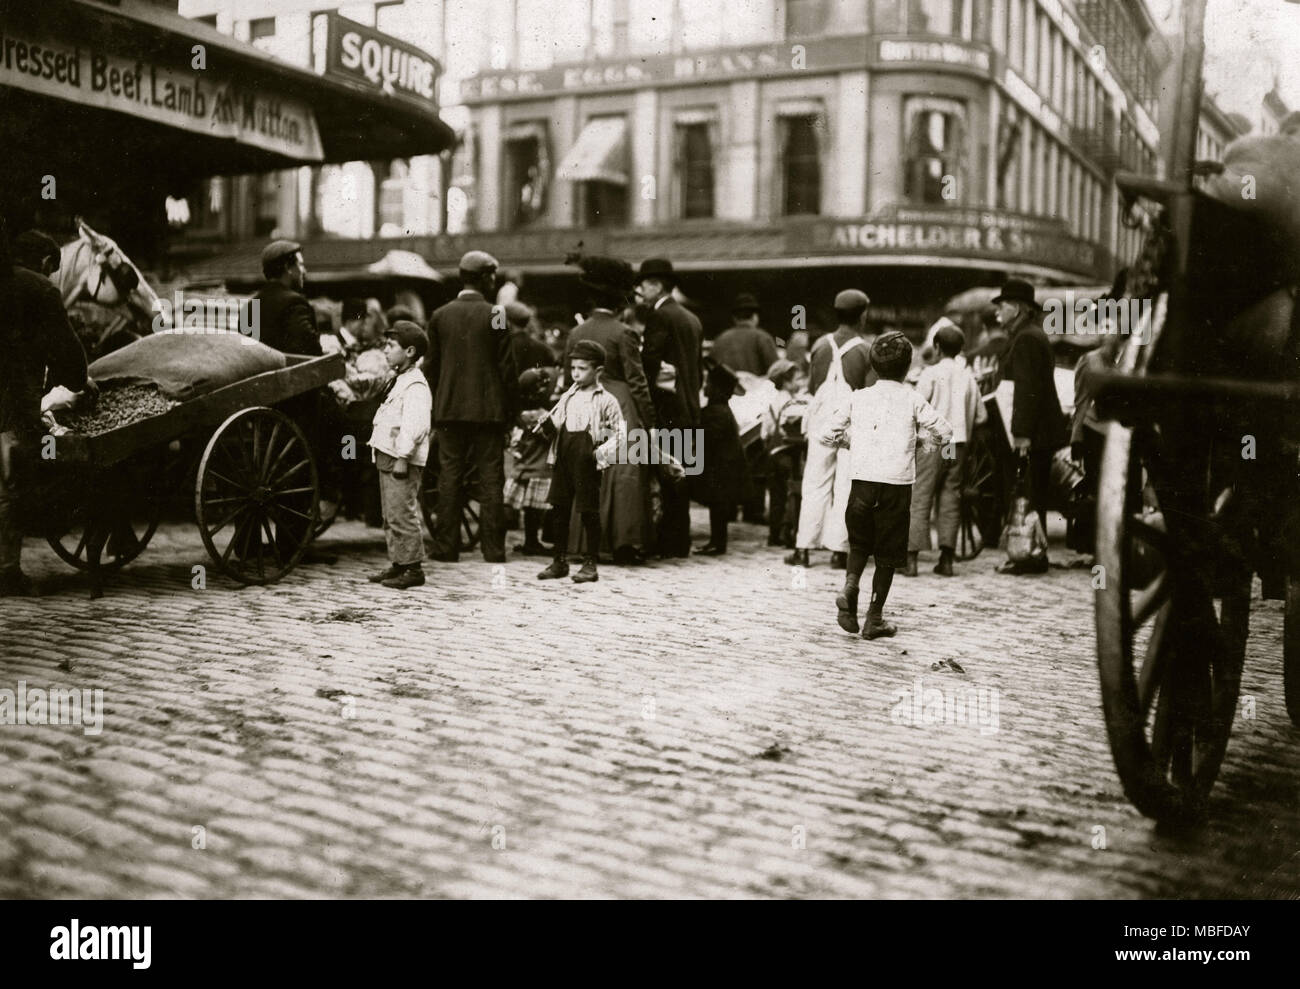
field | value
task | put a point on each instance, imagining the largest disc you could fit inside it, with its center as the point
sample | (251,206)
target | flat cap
(517,312)
(588,350)
(278,249)
(851,298)
(779,369)
(476,261)
(408,334)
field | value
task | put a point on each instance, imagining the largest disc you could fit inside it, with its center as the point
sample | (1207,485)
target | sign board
(202,101)
(929,53)
(366,59)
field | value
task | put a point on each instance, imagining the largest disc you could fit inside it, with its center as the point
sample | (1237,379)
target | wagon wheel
(255,495)
(121,521)
(469,511)
(980,512)
(1172,619)
(1291,649)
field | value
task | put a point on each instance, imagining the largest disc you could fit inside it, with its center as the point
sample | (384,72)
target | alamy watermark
(653,447)
(208,314)
(922,705)
(1081,315)
(53,706)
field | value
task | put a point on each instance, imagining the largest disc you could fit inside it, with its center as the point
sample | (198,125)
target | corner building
(913,148)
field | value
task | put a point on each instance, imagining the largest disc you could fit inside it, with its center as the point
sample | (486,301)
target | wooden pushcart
(256,486)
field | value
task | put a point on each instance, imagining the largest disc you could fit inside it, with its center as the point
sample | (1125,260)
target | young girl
(400,441)
(724,479)
(529,486)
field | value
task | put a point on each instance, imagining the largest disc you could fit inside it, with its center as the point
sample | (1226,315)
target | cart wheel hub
(262,495)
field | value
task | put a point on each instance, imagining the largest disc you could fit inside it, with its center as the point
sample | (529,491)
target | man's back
(745,348)
(286,320)
(36,336)
(673,334)
(856,362)
(1036,408)
(470,366)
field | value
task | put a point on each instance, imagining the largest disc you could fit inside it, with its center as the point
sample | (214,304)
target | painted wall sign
(203,102)
(935,52)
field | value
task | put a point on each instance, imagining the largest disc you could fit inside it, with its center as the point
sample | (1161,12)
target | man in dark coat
(746,346)
(38,349)
(471,371)
(1038,426)
(672,336)
(528,352)
(285,319)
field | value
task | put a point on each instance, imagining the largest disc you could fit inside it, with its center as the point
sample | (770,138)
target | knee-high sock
(591,526)
(857,562)
(718,516)
(880,581)
(532,524)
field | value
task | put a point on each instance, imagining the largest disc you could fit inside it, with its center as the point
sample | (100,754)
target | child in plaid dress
(529,487)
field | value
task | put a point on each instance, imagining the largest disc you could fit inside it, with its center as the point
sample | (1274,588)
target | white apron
(826,474)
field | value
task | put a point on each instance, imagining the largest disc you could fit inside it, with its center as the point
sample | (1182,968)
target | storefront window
(695,169)
(604,204)
(801,167)
(935,152)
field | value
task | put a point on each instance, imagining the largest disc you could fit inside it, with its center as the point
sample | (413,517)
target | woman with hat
(624,488)
(1037,426)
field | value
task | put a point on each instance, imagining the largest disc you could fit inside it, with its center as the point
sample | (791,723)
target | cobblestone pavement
(690,728)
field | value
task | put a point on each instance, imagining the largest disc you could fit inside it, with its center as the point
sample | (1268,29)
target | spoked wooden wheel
(980,515)
(469,511)
(118,513)
(255,495)
(1172,619)
(1291,649)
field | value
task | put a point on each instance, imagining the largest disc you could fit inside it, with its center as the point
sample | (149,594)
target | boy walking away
(529,487)
(951,389)
(724,479)
(585,428)
(400,441)
(880,424)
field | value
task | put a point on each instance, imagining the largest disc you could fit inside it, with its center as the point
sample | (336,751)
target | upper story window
(261,32)
(936,136)
(527,173)
(804,17)
(693,145)
(801,162)
(698,26)
(946,17)
(609,20)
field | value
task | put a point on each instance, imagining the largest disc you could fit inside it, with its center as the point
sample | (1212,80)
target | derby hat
(1017,290)
(745,303)
(658,268)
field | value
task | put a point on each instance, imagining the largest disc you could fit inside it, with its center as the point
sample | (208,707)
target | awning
(599,154)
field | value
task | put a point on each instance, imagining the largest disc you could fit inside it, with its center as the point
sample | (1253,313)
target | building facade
(912,147)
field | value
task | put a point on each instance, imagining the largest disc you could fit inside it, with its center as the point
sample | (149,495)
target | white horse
(103,286)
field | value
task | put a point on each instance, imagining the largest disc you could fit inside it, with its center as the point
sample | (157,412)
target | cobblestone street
(695,728)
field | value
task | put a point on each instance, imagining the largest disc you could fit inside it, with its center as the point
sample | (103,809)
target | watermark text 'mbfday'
(55,706)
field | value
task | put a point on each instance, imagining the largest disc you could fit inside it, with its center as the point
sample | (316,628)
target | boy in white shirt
(881,424)
(951,388)
(400,443)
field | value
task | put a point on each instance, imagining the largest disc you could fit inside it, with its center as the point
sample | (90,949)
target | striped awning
(599,154)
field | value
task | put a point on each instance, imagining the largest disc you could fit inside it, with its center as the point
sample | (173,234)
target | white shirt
(952,390)
(881,424)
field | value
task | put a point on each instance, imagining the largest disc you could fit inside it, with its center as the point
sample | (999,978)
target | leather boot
(797,558)
(847,603)
(944,567)
(878,628)
(588,573)
(910,569)
(559,568)
(839,561)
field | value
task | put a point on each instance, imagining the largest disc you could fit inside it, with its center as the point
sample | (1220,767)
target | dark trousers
(675,526)
(778,488)
(1039,477)
(480,445)
(11,531)
(719,516)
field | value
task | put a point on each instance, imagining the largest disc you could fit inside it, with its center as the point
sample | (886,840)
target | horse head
(93,268)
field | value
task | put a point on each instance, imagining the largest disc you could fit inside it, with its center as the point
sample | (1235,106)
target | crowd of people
(846,456)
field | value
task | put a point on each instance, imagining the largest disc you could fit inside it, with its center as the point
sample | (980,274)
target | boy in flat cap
(881,425)
(400,441)
(586,426)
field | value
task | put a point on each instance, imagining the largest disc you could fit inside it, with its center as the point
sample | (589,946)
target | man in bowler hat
(471,371)
(1038,427)
(672,335)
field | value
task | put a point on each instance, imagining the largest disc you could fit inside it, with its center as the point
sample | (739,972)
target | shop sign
(823,55)
(972,233)
(935,52)
(203,101)
(366,59)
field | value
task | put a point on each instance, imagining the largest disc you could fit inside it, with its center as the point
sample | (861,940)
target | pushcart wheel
(469,512)
(1291,649)
(980,513)
(255,496)
(122,526)
(1172,616)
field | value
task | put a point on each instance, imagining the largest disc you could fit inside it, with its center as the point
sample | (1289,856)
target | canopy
(599,154)
(404,264)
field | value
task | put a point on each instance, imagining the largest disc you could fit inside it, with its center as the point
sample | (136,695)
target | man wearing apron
(840,364)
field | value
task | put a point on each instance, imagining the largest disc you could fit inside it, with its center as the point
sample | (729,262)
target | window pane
(801,164)
(696,171)
(934,152)
(802,17)
(934,16)
(604,204)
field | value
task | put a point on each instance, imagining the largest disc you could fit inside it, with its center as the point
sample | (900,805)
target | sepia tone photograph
(650,450)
